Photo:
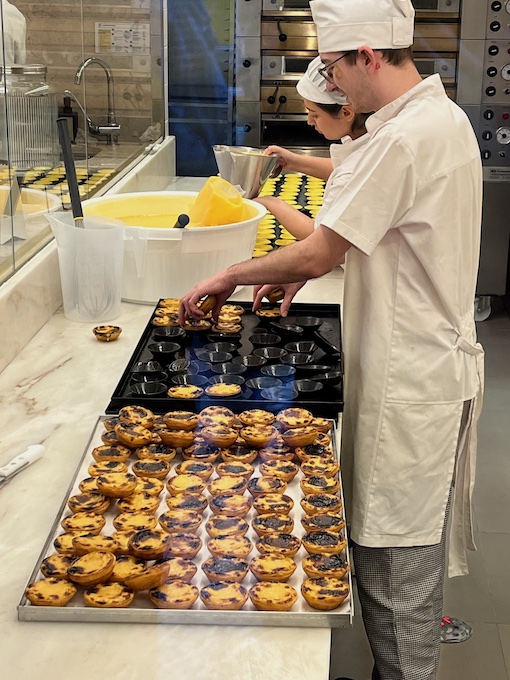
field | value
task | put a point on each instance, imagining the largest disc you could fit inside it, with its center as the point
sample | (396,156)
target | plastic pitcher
(91,262)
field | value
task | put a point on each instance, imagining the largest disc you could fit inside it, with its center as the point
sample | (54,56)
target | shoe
(454,630)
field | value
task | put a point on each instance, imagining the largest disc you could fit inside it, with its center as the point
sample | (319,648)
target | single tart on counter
(176,521)
(183,544)
(225,568)
(216,415)
(92,568)
(83,522)
(230,504)
(174,595)
(319,565)
(239,453)
(278,543)
(177,438)
(313,465)
(321,503)
(108,595)
(156,452)
(323,542)
(256,416)
(149,544)
(185,484)
(126,566)
(180,420)
(226,595)
(236,546)
(202,453)
(89,502)
(107,452)
(324,593)
(57,565)
(328,521)
(319,484)
(187,501)
(193,467)
(275,567)
(283,469)
(85,543)
(107,333)
(299,436)
(222,525)
(235,469)
(273,596)
(227,484)
(294,417)
(133,435)
(273,503)
(266,524)
(134,521)
(116,484)
(139,415)
(261,485)
(50,592)
(139,502)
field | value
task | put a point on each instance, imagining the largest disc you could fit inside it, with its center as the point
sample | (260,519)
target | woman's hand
(290,289)
(287,160)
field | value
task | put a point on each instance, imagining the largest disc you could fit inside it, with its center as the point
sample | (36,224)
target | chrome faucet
(112,129)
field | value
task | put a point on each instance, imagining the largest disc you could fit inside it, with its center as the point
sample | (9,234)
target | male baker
(408,219)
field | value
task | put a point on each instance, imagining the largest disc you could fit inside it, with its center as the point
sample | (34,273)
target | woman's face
(331,127)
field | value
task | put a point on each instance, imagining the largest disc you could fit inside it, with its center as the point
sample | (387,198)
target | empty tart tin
(158,376)
(264,339)
(230,347)
(307,323)
(250,361)
(227,379)
(271,353)
(163,351)
(148,389)
(283,393)
(229,368)
(263,382)
(147,367)
(307,386)
(213,357)
(301,346)
(279,371)
(170,333)
(196,380)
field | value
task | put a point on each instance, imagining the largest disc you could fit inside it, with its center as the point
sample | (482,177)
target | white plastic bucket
(160,262)
(90,261)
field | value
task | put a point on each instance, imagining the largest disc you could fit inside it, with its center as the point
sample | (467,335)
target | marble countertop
(52,393)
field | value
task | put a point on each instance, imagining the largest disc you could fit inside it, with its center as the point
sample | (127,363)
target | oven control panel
(498,19)
(496,72)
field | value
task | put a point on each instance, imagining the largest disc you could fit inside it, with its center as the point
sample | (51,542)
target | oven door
(447,7)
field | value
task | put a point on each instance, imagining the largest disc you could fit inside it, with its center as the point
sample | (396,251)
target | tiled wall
(61,34)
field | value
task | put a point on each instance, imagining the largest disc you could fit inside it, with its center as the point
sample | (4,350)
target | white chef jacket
(409,199)
(12,35)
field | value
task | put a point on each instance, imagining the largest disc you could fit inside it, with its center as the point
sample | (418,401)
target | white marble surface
(52,393)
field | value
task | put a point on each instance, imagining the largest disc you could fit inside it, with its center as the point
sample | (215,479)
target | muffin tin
(276,361)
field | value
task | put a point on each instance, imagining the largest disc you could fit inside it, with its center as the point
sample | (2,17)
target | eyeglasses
(325,71)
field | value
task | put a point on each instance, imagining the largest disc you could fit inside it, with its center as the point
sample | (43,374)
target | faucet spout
(109,83)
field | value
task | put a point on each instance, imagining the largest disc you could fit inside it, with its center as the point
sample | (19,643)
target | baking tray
(142,610)
(327,403)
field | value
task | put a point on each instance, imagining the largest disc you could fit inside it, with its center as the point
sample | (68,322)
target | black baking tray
(326,402)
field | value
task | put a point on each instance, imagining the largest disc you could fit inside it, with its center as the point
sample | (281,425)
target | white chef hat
(344,25)
(312,86)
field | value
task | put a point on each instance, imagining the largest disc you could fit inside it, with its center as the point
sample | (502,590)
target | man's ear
(348,112)
(368,58)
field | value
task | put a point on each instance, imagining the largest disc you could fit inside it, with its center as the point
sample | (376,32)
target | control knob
(505,72)
(503,135)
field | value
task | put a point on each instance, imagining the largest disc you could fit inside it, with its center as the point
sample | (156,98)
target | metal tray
(328,402)
(142,610)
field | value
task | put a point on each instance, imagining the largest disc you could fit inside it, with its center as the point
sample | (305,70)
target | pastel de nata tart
(92,568)
(126,566)
(97,469)
(85,543)
(156,452)
(108,595)
(202,453)
(149,544)
(299,436)
(174,595)
(179,569)
(181,420)
(134,521)
(321,424)
(258,436)
(183,544)
(230,504)
(225,595)
(122,538)
(314,450)
(261,485)
(108,452)
(194,467)
(323,542)
(275,567)
(116,484)
(227,328)
(216,415)
(328,521)
(150,577)
(83,522)
(185,484)
(221,525)
(324,593)
(171,302)
(278,543)
(133,435)
(235,469)
(324,439)
(185,392)
(140,415)
(268,503)
(196,325)
(63,543)
(273,596)
(223,390)
(294,417)
(107,333)
(109,423)
(321,503)
(225,568)
(239,453)
(50,592)
(266,524)
(268,312)
(219,435)
(88,502)
(227,484)
(151,486)
(283,469)
(176,521)
(148,467)
(319,565)
(278,451)
(139,502)
(177,438)
(88,485)
(237,546)
(232,309)
(109,438)
(319,484)
(57,565)
(256,416)
(165,320)
(187,501)
(313,465)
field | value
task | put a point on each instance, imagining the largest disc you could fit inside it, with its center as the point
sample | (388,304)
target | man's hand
(221,285)
(259,292)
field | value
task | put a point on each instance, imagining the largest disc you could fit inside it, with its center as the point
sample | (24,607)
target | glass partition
(98,64)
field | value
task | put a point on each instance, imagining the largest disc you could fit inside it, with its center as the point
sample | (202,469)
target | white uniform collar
(339,152)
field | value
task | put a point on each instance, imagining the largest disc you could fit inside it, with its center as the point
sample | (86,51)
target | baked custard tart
(256,416)
(226,595)
(148,467)
(277,568)
(239,453)
(279,544)
(225,568)
(150,577)
(50,592)
(328,521)
(126,566)
(221,525)
(187,501)
(133,435)
(181,420)
(97,469)
(227,484)
(149,544)
(273,596)
(230,504)
(92,568)
(83,522)
(323,542)
(324,593)
(262,485)
(219,435)
(139,415)
(108,595)
(258,436)
(216,415)
(185,484)
(314,450)
(85,543)
(319,484)
(195,467)
(299,436)
(266,524)
(202,453)
(174,595)
(283,469)
(317,466)
(237,546)
(177,438)
(107,452)
(183,544)
(179,569)
(134,521)
(319,565)
(294,417)
(177,521)
(321,503)
(57,565)
(235,469)
(116,484)
(139,502)
(151,486)
(156,452)
(89,502)
(273,503)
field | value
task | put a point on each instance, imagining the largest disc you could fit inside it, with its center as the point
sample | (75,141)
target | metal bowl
(263,382)
(271,353)
(196,380)
(306,346)
(307,386)
(264,339)
(150,389)
(278,370)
